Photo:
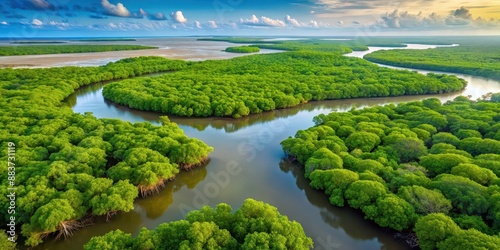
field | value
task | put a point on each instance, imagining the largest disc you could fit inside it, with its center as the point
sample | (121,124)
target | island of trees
(243,49)
(69,166)
(423,168)
(61,49)
(467,59)
(241,86)
(256,225)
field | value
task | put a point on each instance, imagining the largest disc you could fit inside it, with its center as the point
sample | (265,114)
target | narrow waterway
(250,146)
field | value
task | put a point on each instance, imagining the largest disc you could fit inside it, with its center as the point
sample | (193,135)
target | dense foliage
(342,47)
(420,161)
(256,225)
(472,60)
(253,84)
(60,49)
(243,49)
(71,165)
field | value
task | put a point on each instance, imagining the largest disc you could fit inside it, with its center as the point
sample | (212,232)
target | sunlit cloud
(36,22)
(115,10)
(263,21)
(178,17)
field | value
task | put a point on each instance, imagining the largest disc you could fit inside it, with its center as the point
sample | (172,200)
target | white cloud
(36,22)
(314,24)
(60,26)
(340,22)
(252,21)
(178,17)
(271,22)
(312,12)
(4,23)
(293,21)
(112,25)
(212,24)
(115,10)
(263,21)
(209,25)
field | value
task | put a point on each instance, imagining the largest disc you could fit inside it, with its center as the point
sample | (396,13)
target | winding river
(247,163)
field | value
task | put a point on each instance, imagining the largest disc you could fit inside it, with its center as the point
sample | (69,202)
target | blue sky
(45,18)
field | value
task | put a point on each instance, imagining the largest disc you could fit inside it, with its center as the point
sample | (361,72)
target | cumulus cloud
(263,21)
(461,16)
(115,10)
(197,25)
(208,25)
(59,25)
(252,21)
(293,22)
(4,23)
(313,24)
(178,17)
(212,24)
(36,22)
(272,22)
(462,13)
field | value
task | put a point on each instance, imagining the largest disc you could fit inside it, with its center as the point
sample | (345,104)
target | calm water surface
(250,146)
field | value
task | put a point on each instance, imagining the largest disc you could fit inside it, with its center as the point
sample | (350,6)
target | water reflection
(346,219)
(154,206)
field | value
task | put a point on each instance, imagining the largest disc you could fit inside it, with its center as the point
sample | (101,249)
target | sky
(108,18)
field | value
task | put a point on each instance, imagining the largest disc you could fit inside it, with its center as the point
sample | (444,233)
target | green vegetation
(466,59)
(60,49)
(253,84)
(256,225)
(421,166)
(335,46)
(243,49)
(69,166)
